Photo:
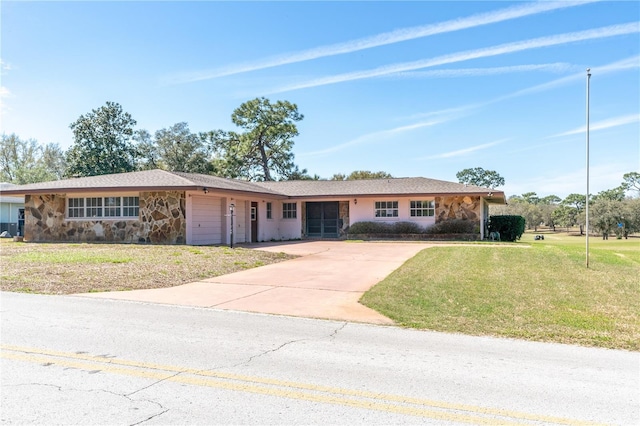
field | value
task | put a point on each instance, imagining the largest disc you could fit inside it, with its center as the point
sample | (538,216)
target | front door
(322,219)
(254,222)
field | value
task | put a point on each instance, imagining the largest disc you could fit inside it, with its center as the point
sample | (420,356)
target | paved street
(89,361)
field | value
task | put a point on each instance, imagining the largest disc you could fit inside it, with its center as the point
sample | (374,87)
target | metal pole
(232,207)
(587,197)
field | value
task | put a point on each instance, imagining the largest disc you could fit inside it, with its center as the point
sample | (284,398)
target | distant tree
(302,175)
(565,216)
(575,204)
(631,181)
(605,216)
(577,201)
(480,177)
(615,194)
(631,216)
(551,199)
(361,175)
(525,205)
(54,161)
(263,151)
(103,143)
(175,149)
(148,154)
(547,206)
(25,161)
(531,197)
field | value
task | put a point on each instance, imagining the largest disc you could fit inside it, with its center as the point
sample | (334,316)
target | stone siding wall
(459,207)
(161,221)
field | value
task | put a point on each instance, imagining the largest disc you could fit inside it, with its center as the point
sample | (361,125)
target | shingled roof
(392,186)
(148,180)
(160,180)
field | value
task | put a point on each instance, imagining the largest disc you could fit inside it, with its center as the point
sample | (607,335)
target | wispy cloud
(465,151)
(536,43)
(5,66)
(382,39)
(557,67)
(4,94)
(449,114)
(622,65)
(372,137)
(602,125)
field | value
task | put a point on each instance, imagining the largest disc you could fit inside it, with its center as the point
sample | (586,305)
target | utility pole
(587,198)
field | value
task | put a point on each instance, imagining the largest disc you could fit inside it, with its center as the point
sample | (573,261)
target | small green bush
(406,228)
(370,228)
(510,227)
(453,226)
(385,228)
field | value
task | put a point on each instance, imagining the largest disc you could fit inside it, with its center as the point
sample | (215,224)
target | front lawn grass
(536,290)
(82,268)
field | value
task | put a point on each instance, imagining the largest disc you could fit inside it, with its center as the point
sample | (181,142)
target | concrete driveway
(326,281)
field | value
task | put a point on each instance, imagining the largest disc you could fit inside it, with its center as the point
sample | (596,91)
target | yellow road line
(441,415)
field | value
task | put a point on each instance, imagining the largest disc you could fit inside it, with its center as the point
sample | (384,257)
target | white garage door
(206,220)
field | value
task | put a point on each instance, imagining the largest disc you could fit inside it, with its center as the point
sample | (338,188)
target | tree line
(610,211)
(106,141)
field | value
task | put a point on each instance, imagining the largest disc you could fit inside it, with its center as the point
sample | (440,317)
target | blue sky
(412,88)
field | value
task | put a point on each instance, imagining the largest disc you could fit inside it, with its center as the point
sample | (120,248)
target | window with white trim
(76,207)
(103,207)
(386,208)
(130,206)
(422,208)
(94,207)
(269,211)
(112,207)
(289,210)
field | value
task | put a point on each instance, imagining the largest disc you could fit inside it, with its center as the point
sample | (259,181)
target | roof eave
(104,189)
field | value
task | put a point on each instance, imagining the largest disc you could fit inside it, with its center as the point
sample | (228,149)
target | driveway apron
(326,281)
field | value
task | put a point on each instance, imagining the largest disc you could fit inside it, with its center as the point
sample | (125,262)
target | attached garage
(206,220)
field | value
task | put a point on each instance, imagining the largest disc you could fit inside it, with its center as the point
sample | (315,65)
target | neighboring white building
(11,211)
(163,207)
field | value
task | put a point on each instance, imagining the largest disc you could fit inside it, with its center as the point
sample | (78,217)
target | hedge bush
(454,226)
(510,227)
(385,228)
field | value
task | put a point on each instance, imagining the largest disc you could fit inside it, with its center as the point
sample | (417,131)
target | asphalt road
(71,360)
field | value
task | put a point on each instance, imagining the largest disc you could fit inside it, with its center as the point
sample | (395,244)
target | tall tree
(103,142)
(175,149)
(480,177)
(263,151)
(25,161)
(631,181)
(615,194)
(361,174)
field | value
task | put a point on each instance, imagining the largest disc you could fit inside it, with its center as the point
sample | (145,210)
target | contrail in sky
(602,125)
(502,49)
(383,39)
(463,151)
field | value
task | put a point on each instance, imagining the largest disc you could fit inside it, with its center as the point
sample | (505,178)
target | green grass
(537,290)
(63,268)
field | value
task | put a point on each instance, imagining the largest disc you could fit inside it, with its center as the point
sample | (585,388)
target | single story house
(11,211)
(162,207)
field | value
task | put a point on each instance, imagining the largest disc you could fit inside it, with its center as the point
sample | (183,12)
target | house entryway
(254,222)
(322,219)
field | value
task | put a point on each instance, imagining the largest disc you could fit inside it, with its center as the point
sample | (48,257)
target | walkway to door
(326,281)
